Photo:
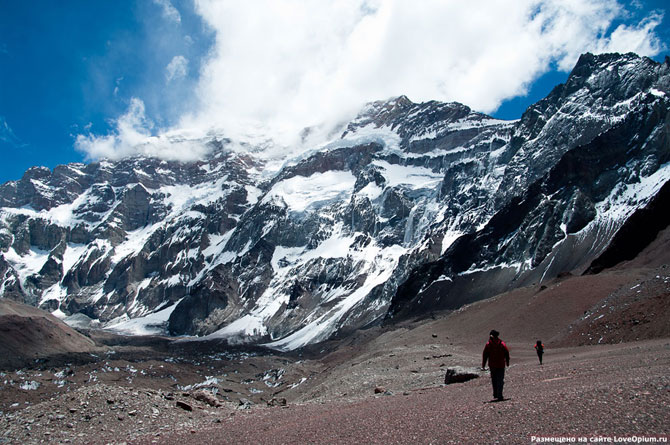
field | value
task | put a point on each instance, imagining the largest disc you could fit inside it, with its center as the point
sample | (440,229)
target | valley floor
(593,392)
(604,391)
(382,385)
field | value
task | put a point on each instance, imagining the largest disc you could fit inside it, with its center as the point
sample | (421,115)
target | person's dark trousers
(497,381)
(539,355)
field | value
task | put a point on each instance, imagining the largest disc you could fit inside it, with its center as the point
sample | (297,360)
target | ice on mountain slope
(337,245)
(384,135)
(285,262)
(55,292)
(300,193)
(313,239)
(373,262)
(181,198)
(627,198)
(177,199)
(611,213)
(152,324)
(64,215)
(383,265)
(411,176)
(133,242)
(74,252)
(28,264)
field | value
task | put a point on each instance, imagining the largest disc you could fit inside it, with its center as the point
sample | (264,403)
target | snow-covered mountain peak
(408,207)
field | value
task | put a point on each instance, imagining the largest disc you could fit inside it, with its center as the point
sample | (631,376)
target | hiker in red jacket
(539,348)
(497,354)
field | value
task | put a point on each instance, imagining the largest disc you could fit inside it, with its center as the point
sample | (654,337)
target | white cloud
(8,136)
(638,38)
(176,69)
(132,136)
(290,64)
(169,11)
(282,65)
(117,85)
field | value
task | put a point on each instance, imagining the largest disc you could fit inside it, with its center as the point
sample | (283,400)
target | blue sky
(67,70)
(84,79)
(515,106)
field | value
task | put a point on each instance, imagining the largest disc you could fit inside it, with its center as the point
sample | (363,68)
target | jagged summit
(415,207)
(414,122)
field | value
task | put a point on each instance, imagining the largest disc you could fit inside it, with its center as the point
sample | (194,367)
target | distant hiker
(539,348)
(497,354)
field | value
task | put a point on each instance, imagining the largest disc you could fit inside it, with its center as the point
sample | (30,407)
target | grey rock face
(415,207)
(553,225)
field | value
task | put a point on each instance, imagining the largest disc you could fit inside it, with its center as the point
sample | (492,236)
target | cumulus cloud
(169,11)
(638,38)
(176,69)
(132,136)
(278,66)
(290,64)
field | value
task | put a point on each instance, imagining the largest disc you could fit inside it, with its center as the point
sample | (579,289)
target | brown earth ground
(605,374)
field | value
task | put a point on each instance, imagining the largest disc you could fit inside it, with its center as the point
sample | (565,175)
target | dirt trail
(611,390)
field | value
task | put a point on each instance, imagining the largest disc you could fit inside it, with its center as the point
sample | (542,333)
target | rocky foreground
(618,390)
(608,391)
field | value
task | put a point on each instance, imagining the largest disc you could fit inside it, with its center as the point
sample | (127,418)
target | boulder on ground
(277,402)
(207,397)
(459,374)
(183,405)
(245,404)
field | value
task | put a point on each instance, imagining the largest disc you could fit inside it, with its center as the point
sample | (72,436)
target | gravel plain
(604,380)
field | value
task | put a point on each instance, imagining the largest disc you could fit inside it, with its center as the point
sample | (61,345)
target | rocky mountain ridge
(415,207)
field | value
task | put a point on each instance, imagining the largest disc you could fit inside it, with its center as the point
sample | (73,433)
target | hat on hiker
(494,333)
